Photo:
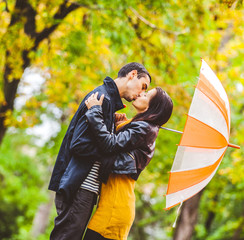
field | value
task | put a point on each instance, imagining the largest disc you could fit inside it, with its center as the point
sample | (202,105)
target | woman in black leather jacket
(130,150)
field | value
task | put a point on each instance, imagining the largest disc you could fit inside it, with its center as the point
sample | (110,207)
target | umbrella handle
(233,146)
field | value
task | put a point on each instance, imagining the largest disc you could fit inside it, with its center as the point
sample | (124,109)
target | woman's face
(141,103)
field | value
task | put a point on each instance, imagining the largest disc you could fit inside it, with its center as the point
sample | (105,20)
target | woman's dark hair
(141,70)
(159,110)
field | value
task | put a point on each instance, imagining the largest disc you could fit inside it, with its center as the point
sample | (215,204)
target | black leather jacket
(78,151)
(133,146)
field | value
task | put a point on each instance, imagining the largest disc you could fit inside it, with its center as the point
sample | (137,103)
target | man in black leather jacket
(75,174)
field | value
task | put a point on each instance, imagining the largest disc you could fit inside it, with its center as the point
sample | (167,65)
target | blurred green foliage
(22,181)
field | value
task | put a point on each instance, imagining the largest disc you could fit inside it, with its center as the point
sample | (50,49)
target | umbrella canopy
(204,140)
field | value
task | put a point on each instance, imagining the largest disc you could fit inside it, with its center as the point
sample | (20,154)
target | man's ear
(132,74)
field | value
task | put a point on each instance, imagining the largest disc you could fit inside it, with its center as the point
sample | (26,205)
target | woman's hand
(92,100)
(119,118)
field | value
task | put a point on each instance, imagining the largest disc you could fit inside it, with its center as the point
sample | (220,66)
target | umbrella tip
(233,146)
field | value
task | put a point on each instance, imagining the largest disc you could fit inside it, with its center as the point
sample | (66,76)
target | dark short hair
(141,70)
(159,110)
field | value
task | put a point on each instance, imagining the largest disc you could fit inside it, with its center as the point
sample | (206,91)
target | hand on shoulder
(93,100)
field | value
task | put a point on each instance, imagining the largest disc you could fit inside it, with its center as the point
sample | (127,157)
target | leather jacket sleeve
(126,140)
(82,144)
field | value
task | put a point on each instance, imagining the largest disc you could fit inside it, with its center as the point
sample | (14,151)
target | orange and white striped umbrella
(204,140)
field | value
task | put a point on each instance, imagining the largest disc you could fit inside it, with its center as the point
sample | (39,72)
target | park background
(54,52)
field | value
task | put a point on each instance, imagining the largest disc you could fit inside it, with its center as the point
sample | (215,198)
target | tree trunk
(24,13)
(10,89)
(211,215)
(240,229)
(40,222)
(188,218)
(138,231)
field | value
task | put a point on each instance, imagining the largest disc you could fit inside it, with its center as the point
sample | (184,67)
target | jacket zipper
(131,155)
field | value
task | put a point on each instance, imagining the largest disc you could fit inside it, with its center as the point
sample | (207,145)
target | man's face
(141,104)
(136,86)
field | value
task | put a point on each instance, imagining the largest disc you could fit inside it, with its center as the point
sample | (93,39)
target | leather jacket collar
(113,92)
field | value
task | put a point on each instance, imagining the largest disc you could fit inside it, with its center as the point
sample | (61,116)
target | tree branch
(23,9)
(6,8)
(153,26)
(62,12)
(89,7)
(30,25)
